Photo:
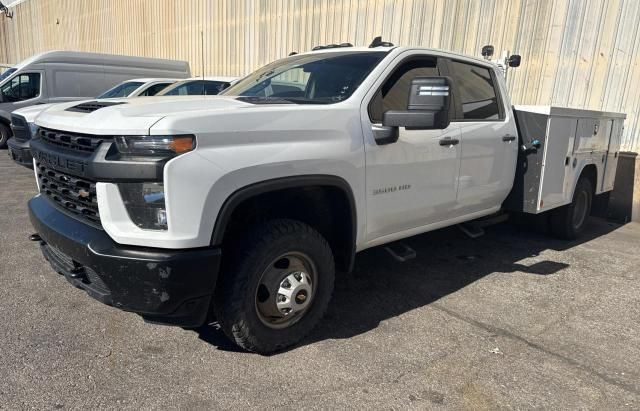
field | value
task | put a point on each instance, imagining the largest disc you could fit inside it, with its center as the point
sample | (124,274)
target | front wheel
(276,285)
(569,221)
(5,134)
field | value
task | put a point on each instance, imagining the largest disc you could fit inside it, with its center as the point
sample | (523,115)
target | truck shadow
(447,261)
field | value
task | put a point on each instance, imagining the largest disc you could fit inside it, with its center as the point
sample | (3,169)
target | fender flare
(595,183)
(5,117)
(252,190)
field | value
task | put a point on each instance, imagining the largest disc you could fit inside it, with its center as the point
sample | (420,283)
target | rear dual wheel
(569,221)
(276,285)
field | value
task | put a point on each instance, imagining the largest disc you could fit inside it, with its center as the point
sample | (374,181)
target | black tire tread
(561,218)
(228,309)
(5,135)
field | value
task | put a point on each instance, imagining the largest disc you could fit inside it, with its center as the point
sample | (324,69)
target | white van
(60,76)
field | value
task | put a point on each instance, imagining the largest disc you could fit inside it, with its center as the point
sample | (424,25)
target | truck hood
(128,116)
(30,113)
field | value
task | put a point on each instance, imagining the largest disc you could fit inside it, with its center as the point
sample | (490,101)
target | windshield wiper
(263,100)
(304,100)
(282,100)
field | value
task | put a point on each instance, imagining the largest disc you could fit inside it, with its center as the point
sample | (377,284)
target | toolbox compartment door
(556,169)
(611,161)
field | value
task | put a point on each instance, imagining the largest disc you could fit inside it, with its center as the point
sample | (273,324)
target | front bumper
(165,286)
(20,152)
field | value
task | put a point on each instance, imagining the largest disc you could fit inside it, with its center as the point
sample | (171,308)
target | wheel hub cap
(293,293)
(286,290)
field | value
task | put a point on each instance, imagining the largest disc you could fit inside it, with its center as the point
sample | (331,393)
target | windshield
(195,88)
(319,78)
(121,90)
(6,74)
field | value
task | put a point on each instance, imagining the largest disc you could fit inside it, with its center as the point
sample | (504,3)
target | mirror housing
(487,51)
(428,106)
(416,120)
(514,60)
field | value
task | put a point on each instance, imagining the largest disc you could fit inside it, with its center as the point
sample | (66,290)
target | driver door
(413,182)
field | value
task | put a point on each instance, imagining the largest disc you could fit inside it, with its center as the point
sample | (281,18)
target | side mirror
(428,107)
(514,60)
(487,51)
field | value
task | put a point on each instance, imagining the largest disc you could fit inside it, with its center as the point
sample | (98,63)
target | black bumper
(20,152)
(165,286)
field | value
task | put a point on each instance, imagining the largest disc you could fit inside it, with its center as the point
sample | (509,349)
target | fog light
(145,204)
(33,130)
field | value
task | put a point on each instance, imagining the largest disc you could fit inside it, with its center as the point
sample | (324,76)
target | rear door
(489,144)
(413,182)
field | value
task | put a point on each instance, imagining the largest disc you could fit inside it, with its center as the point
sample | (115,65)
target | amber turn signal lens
(181,144)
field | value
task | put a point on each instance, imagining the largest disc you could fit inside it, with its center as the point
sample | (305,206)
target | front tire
(5,134)
(277,283)
(568,222)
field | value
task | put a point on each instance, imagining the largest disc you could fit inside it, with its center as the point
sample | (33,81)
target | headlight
(33,128)
(155,145)
(145,204)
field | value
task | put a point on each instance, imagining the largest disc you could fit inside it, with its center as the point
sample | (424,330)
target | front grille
(20,128)
(72,141)
(75,195)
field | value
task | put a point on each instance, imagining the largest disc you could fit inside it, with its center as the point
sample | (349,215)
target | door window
(121,90)
(195,87)
(154,89)
(476,92)
(394,93)
(22,87)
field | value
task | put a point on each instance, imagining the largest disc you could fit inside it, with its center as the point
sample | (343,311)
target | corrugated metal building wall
(581,53)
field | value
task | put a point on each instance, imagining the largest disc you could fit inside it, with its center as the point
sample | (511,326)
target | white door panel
(412,182)
(486,169)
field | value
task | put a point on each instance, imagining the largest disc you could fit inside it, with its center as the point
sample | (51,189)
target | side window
(211,88)
(22,87)
(155,89)
(394,93)
(476,92)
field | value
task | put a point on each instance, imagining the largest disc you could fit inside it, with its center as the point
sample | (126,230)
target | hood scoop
(91,106)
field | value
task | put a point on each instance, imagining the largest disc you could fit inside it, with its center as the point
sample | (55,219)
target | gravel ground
(514,319)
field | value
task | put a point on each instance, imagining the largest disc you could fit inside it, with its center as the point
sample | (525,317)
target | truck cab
(242,207)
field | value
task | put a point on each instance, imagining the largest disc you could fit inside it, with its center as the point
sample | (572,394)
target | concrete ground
(513,319)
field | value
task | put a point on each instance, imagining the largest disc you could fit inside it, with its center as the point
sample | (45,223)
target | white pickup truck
(241,207)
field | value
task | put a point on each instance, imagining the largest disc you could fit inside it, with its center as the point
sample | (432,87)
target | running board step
(475,228)
(401,252)
(471,230)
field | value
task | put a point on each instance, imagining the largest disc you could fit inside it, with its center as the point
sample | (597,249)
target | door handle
(508,137)
(448,141)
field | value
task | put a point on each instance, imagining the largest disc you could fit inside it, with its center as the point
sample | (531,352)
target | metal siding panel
(584,53)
